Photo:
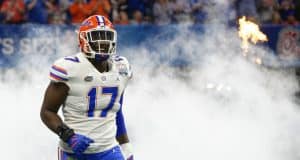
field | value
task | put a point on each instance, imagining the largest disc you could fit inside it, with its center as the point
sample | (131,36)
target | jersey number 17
(92,97)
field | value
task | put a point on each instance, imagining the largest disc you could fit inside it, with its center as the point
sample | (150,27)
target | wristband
(127,149)
(64,132)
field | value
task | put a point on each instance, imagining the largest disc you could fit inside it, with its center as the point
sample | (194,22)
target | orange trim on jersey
(59,69)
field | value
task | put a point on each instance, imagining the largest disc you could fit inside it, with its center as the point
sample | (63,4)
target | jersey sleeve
(121,127)
(58,71)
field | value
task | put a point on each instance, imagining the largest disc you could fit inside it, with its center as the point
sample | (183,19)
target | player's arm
(122,136)
(126,146)
(55,95)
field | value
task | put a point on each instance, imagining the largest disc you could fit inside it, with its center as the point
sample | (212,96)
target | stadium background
(23,20)
(193,96)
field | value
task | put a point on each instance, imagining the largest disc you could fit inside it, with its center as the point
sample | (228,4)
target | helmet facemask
(99,43)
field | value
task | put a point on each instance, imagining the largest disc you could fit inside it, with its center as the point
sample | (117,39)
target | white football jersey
(94,98)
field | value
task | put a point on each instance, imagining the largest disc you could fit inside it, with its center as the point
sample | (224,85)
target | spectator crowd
(159,12)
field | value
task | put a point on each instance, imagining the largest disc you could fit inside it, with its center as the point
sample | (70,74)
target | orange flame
(249,31)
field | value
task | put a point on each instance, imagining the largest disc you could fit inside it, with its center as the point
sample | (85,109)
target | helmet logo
(86,23)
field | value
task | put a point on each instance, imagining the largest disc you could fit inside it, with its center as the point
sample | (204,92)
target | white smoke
(221,106)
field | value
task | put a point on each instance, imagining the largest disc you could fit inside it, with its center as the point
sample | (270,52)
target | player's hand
(130,158)
(127,151)
(79,143)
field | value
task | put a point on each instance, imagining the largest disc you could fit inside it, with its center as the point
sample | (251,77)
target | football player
(89,86)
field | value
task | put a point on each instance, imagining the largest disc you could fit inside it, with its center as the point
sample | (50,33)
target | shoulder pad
(59,71)
(123,65)
(117,58)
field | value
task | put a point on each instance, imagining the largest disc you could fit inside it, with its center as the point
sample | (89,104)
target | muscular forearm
(55,96)
(51,120)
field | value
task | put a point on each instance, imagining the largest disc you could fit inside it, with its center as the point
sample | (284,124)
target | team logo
(123,69)
(288,45)
(86,23)
(88,78)
(103,78)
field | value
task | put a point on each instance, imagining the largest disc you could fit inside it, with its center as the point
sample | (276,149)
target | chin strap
(101,58)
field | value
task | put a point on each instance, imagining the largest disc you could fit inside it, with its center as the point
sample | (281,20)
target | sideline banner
(22,40)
